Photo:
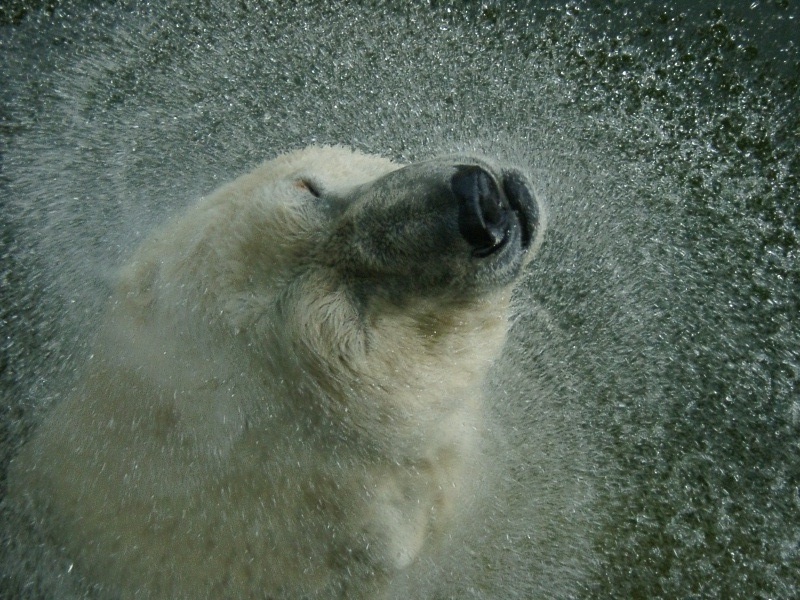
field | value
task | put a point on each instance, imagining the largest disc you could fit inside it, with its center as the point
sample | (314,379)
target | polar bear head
(332,275)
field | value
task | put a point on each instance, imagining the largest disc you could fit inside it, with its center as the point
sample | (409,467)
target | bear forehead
(333,167)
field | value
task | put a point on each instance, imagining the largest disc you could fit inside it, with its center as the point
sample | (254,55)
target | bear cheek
(323,324)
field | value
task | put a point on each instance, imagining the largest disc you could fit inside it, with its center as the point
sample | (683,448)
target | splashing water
(652,416)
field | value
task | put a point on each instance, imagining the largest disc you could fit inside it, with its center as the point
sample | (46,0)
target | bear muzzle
(455,222)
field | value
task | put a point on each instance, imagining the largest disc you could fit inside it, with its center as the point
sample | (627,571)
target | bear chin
(284,396)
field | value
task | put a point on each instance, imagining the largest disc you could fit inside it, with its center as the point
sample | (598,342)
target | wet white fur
(217,447)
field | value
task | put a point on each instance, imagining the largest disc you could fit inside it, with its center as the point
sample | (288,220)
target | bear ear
(135,285)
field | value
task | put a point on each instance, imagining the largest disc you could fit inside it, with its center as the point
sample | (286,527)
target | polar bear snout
(446,223)
(487,214)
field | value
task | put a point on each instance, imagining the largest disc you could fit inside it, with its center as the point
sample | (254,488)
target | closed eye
(305,184)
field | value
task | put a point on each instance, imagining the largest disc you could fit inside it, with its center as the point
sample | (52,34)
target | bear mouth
(522,205)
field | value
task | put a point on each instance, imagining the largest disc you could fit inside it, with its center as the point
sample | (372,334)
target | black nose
(483,212)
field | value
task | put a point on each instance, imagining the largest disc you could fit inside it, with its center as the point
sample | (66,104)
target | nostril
(482,210)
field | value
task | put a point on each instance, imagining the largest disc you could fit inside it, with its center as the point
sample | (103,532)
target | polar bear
(283,399)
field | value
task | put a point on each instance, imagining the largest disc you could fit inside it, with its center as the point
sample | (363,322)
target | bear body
(284,397)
